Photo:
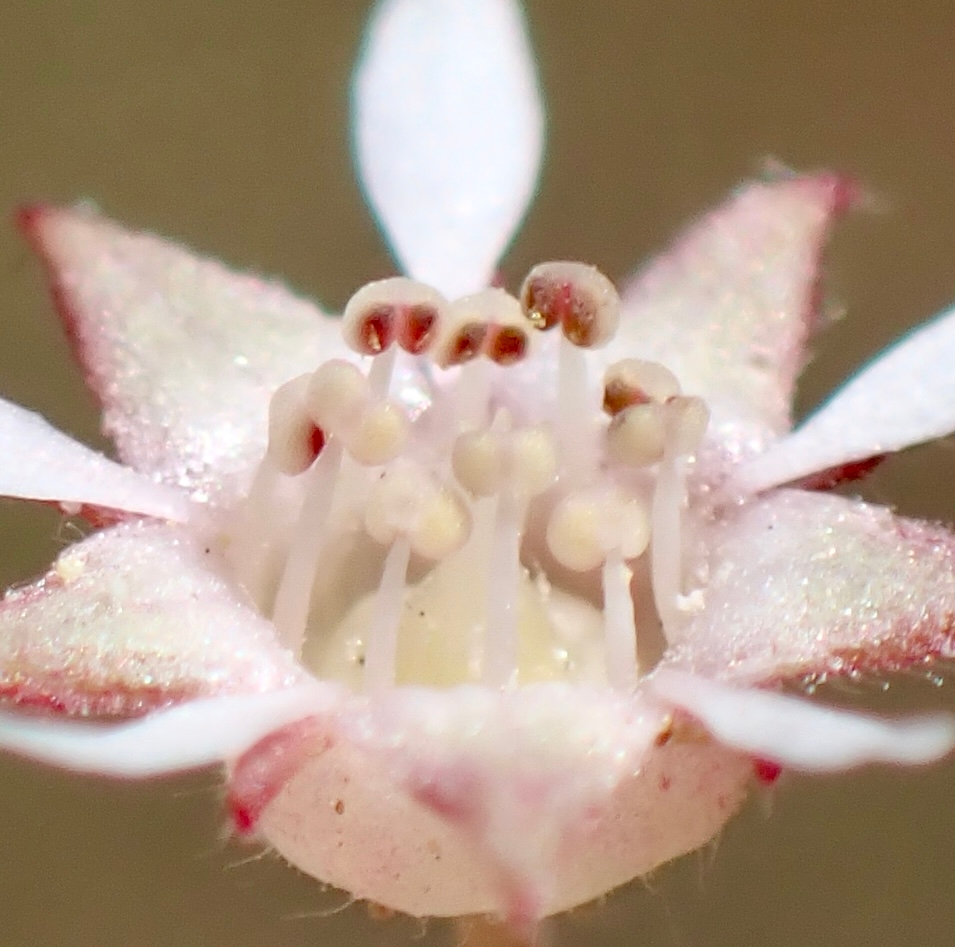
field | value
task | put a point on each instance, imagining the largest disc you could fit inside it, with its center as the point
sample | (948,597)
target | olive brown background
(225,126)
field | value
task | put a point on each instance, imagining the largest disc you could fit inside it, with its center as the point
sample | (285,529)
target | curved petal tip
(799,734)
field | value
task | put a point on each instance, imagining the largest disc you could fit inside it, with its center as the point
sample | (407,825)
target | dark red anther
(618,396)
(317,441)
(505,345)
(548,303)
(544,302)
(417,327)
(377,330)
(466,343)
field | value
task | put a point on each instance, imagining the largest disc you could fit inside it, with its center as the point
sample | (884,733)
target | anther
(588,525)
(294,439)
(418,327)
(488,323)
(393,310)
(636,437)
(576,296)
(462,333)
(506,341)
(336,396)
(633,381)
(407,501)
(477,460)
(379,435)
(460,342)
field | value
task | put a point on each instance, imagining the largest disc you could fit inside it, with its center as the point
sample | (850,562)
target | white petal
(449,131)
(794,732)
(904,397)
(42,463)
(185,737)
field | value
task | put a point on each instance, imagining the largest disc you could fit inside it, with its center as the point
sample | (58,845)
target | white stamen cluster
(594,494)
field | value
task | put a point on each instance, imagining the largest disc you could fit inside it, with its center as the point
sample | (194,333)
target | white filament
(574,420)
(382,372)
(294,596)
(381,647)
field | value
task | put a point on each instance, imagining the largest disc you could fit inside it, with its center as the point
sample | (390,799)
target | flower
(462,790)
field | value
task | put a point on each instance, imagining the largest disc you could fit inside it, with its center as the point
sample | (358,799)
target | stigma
(520,519)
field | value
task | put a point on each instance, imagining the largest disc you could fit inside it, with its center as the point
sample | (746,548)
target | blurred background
(225,126)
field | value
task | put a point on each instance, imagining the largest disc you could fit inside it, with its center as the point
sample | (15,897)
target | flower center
(502,525)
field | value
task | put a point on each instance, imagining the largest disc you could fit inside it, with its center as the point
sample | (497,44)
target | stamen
(600,518)
(340,399)
(381,372)
(292,602)
(407,501)
(418,327)
(530,468)
(252,545)
(463,329)
(576,412)
(294,439)
(485,323)
(533,461)
(585,304)
(392,310)
(478,463)
(294,443)
(409,512)
(686,425)
(460,342)
(506,341)
(506,345)
(604,526)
